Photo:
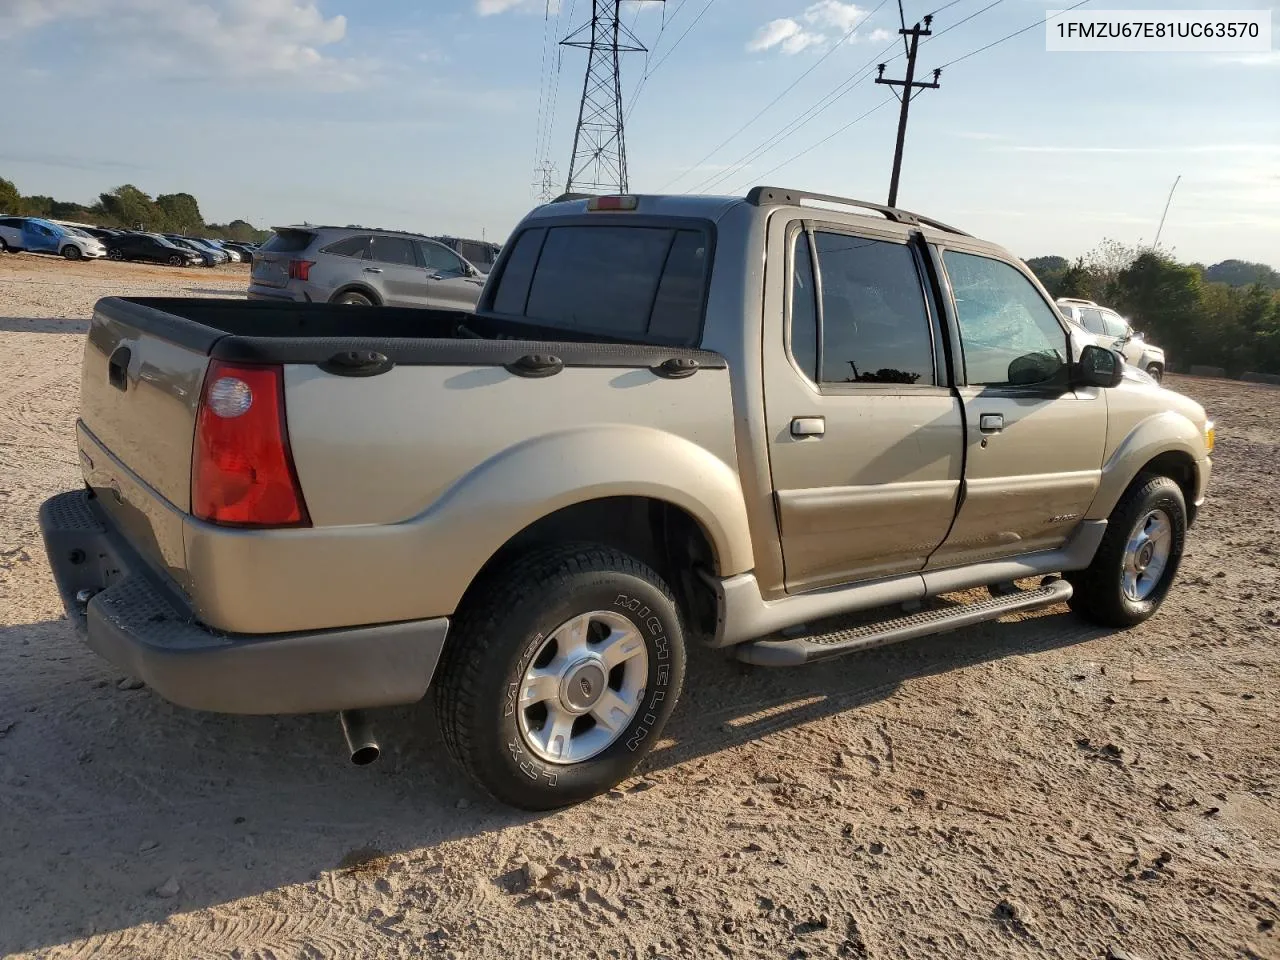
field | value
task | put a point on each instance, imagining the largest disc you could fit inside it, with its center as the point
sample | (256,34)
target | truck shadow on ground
(107,793)
(42,325)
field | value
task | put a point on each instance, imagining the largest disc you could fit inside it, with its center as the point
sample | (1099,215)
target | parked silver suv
(1114,331)
(362,267)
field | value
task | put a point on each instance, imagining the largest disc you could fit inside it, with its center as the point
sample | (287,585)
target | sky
(435,116)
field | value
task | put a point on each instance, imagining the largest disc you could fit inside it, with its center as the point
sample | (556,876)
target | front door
(865,436)
(447,284)
(38,238)
(1034,446)
(392,270)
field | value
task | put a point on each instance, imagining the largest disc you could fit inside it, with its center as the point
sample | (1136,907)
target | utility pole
(909,87)
(599,158)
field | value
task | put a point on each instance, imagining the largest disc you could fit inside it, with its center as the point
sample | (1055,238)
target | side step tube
(802,650)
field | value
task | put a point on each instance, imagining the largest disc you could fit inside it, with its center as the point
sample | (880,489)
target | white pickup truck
(670,418)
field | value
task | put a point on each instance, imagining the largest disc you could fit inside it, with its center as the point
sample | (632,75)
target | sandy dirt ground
(1037,788)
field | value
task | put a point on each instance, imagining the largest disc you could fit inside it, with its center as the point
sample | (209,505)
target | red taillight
(300,269)
(613,203)
(241,467)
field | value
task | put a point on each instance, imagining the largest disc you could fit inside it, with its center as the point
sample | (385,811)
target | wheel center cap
(1144,555)
(582,686)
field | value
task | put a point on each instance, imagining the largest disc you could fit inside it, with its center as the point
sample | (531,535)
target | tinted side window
(1114,324)
(1009,334)
(475,252)
(804,310)
(513,290)
(875,328)
(393,250)
(1092,320)
(440,259)
(357,247)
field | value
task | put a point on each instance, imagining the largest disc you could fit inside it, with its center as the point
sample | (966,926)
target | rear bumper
(143,625)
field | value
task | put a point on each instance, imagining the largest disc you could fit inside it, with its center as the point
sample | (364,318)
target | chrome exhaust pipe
(358,733)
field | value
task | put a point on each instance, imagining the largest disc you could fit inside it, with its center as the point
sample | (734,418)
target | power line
(883,103)
(768,106)
(840,91)
(968,18)
(1010,36)
(542,82)
(670,50)
(648,54)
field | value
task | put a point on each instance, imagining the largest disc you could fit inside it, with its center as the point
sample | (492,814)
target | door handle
(118,368)
(991,422)
(808,426)
(372,269)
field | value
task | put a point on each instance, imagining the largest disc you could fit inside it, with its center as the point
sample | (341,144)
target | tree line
(1224,315)
(129,208)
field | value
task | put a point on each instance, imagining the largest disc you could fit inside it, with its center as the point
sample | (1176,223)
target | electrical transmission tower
(599,159)
(545,186)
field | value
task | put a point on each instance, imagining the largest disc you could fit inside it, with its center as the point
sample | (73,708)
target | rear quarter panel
(415,478)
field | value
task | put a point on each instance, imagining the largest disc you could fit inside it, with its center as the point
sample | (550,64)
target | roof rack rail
(760,196)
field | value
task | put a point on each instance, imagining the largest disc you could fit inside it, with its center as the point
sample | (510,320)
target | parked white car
(37,235)
(1110,329)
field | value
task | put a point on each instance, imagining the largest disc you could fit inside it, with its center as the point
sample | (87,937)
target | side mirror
(1099,367)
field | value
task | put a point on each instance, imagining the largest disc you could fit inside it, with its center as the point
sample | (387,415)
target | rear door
(447,283)
(394,273)
(865,434)
(271,264)
(1034,445)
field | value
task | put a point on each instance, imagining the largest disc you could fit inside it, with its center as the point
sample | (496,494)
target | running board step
(823,646)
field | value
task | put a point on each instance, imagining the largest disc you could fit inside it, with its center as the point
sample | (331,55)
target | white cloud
(487,8)
(880,35)
(835,15)
(784,33)
(821,23)
(223,39)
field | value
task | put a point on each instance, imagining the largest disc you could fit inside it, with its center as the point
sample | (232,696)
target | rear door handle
(372,269)
(991,422)
(808,426)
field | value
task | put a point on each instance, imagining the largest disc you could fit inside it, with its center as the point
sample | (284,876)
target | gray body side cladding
(141,624)
(745,615)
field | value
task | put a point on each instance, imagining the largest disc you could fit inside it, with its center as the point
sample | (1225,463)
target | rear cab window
(637,282)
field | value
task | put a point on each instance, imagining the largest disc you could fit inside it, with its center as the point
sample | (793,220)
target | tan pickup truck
(733,421)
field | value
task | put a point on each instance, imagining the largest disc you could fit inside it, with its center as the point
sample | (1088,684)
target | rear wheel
(1155,372)
(71,252)
(559,675)
(353,299)
(4,247)
(1139,556)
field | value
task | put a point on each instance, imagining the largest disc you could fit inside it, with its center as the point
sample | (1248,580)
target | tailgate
(271,262)
(139,393)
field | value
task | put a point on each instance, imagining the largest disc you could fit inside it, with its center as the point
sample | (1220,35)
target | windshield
(163,241)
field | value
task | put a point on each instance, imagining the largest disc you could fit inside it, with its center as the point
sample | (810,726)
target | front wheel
(559,675)
(115,255)
(1138,558)
(1155,372)
(176,261)
(71,252)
